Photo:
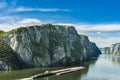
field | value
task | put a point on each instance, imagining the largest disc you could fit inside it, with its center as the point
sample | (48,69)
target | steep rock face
(105,50)
(114,49)
(8,58)
(50,45)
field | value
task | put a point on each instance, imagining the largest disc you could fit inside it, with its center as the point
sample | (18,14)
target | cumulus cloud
(6,27)
(102,34)
(105,42)
(94,27)
(26,9)
(9,23)
(98,27)
(99,37)
(98,32)
(30,21)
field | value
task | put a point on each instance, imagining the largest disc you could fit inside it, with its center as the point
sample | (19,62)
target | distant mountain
(105,50)
(44,45)
(113,49)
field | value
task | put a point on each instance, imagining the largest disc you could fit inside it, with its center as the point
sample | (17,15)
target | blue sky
(98,19)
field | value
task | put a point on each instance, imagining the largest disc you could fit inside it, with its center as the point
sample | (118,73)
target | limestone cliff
(49,45)
(105,50)
(113,49)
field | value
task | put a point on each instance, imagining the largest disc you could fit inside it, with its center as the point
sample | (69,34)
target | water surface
(107,67)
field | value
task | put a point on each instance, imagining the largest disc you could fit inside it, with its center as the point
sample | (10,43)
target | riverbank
(25,73)
(18,74)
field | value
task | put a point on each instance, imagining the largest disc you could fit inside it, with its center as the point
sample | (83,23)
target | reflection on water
(115,59)
(107,67)
(18,74)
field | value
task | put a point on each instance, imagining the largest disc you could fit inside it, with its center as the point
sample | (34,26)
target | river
(107,67)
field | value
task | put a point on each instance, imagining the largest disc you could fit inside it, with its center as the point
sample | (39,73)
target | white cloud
(30,21)
(7,27)
(25,9)
(94,27)
(101,41)
(98,27)
(105,42)
(98,32)
(10,23)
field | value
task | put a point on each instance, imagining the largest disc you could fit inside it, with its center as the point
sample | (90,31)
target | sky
(98,19)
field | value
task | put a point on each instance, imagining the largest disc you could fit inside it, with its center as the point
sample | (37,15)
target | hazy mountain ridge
(113,49)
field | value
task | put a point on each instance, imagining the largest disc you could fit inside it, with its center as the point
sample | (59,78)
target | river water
(107,67)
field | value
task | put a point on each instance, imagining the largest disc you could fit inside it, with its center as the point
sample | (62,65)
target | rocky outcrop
(113,49)
(8,58)
(105,50)
(49,45)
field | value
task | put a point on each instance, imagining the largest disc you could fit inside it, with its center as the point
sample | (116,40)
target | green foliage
(83,36)
(77,48)
(39,49)
(8,56)
(2,34)
(43,25)
(55,25)
(1,31)
(5,52)
(56,39)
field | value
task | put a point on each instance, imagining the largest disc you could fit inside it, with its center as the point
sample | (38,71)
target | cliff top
(83,36)
(43,25)
(2,33)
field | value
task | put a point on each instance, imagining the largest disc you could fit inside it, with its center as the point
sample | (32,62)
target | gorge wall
(45,45)
(113,49)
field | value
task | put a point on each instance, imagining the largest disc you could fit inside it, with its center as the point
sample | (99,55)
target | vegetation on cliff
(46,45)
(2,33)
